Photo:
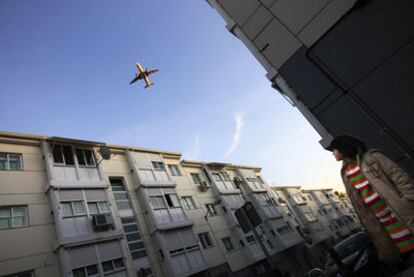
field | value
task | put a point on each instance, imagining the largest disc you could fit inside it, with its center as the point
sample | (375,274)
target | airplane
(143,74)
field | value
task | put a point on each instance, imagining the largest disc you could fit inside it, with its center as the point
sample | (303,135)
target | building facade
(345,64)
(77,208)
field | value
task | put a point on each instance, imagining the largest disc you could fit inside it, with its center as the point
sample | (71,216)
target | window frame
(128,222)
(174,170)
(113,265)
(158,196)
(170,199)
(85,270)
(72,208)
(83,150)
(185,202)
(158,166)
(98,207)
(211,210)
(205,240)
(11,218)
(228,244)
(7,163)
(62,153)
(197,176)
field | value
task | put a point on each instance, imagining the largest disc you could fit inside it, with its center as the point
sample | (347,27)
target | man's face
(338,156)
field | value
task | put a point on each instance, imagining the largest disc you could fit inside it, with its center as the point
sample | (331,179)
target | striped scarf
(399,233)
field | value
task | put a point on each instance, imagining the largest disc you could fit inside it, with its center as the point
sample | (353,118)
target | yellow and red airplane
(143,74)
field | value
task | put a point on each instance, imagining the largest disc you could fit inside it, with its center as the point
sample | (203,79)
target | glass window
(10,161)
(188,203)
(73,208)
(211,211)
(228,243)
(62,154)
(57,154)
(14,162)
(158,165)
(120,194)
(11,217)
(80,272)
(175,171)
(250,239)
(118,263)
(85,157)
(172,200)
(3,161)
(78,207)
(92,270)
(68,155)
(107,266)
(112,265)
(93,208)
(196,178)
(98,207)
(157,202)
(66,209)
(216,177)
(103,207)
(205,240)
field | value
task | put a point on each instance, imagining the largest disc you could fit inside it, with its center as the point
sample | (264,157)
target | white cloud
(195,149)
(236,135)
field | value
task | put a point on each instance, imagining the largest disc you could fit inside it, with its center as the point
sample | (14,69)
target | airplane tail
(151,84)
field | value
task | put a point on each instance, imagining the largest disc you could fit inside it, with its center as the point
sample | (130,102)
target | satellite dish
(105,152)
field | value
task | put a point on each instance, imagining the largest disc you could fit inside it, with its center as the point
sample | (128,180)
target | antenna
(105,153)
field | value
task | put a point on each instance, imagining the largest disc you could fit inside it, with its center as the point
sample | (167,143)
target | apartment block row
(71,207)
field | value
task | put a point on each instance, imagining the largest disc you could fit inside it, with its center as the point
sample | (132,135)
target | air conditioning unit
(102,222)
(204,186)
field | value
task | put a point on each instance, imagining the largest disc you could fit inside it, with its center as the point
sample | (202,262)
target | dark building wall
(358,78)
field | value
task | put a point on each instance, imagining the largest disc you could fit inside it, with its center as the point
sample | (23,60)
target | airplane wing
(137,77)
(152,71)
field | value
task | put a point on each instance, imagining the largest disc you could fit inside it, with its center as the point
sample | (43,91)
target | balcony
(149,177)
(165,219)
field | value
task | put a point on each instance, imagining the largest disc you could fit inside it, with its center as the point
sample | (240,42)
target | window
(113,265)
(211,211)
(98,207)
(13,217)
(196,178)
(90,270)
(188,203)
(62,154)
(175,171)
(21,274)
(228,243)
(172,200)
(157,202)
(9,161)
(133,237)
(120,194)
(158,165)
(251,240)
(205,240)
(73,208)
(85,157)
(268,200)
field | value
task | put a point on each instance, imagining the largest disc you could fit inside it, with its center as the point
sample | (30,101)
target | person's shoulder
(373,154)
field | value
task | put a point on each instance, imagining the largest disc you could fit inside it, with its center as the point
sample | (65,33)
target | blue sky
(66,66)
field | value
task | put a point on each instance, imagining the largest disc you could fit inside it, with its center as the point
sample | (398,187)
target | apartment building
(317,238)
(337,220)
(337,62)
(72,207)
